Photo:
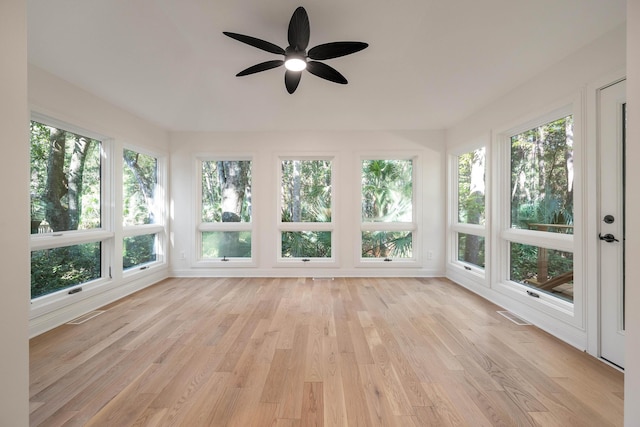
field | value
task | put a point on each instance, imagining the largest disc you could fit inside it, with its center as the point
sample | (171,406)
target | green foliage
(67,196)
(306,197)
(60,268)
(137,250)
(306,191)
(229,244)
(524,262)
(306,244)
(542,175)
(85,173)
(387,190)
(139,180)
(387,244)
(471,187)
(387,196)
(471,249)
(220,176)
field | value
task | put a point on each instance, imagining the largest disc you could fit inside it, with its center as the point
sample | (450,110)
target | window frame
(503,234)
(104,234)
(202,226)
(329,226)
(159,227)
(456,227)
(416,213)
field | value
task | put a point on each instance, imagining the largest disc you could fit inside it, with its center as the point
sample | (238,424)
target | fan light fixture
(296,57)
(295,63)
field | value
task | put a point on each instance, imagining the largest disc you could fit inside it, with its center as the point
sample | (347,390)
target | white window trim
(502,235)
(159,228)
(103,235)
(416,214)
(478,273)
(159,208)
(330,226)
(69,238)
(201,226)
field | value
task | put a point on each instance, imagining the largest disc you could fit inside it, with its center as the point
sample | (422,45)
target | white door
(612,123)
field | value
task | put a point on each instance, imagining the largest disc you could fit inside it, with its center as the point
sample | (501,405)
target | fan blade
(291,80)
(336,49)
(299,30)
(263,66)
(326,72)
(252,41)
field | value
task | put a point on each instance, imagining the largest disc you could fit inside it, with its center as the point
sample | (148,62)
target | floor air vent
(515,319)
(90,315)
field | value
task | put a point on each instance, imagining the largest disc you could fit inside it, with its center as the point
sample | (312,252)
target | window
(66,209)
(471,187)
(63,267)
(141,210)
(542,177)
(306,201)
(471,249)
(468,222)
(388,209)
(540,216)
(226,209)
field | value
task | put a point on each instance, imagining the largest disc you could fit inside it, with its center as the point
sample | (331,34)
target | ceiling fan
(296,58)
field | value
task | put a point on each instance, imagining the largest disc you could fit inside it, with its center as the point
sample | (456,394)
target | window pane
(226,244)
(65,180)
(542,177)
(139,179)
(226,191)
(387,244)
(387,191)
(64,267)
(306,191)
(138,250)
(546,270)
(471,249)
(471,176)
(306,244)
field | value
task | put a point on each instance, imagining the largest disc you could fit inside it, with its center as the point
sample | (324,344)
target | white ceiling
(430,63)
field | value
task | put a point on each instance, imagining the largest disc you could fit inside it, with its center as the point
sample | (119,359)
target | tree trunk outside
(76,172)
(233,177)
(56,186)
(146,187)
(297,211)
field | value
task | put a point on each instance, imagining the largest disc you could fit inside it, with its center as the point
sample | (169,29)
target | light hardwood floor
(304,352)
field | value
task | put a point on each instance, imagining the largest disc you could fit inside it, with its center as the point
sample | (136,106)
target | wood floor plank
(312,404)
(201,408)
(377,398)
(354,392)
(290,405)
(274,384)
(329,352)
(335,413)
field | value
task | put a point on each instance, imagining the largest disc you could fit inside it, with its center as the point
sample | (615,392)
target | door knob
(609,238)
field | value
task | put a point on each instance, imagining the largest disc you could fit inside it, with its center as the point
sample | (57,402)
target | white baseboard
(310,272)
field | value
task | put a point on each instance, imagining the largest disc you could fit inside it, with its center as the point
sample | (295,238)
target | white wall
(14,193)
(632,354)
(50,96)
(346,147)
(574,79)
(565,79)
